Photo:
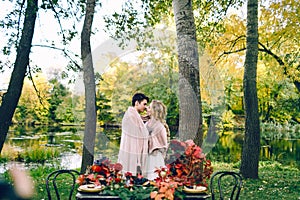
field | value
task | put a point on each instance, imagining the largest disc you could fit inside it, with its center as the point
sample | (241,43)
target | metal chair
(66,174)
(232,184)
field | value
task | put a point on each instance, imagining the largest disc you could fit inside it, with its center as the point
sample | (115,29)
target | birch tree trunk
(11,98)
(251,146)
(190,114)
(90,88)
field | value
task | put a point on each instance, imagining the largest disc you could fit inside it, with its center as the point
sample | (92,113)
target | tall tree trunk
(11,98)
(190,114)
(90,88)
(251,146)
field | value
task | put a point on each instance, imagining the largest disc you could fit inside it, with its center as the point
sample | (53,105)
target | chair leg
(53,176)
(235,189)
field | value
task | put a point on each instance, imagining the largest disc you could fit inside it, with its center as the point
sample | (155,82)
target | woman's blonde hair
(159,112)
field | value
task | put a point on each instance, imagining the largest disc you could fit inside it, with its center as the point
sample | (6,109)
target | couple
(143,144)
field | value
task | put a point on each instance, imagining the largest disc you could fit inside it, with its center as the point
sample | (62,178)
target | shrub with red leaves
(101,172)
(187,162)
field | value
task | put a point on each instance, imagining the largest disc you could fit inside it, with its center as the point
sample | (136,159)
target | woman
(158,134)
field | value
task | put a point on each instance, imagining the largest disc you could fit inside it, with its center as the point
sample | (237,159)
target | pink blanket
(134,142)
(157,136)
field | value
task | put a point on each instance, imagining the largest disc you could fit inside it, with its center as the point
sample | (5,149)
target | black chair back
(227,182)
(52,180)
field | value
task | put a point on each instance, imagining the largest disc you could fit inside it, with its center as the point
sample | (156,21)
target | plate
(195,190)
(90,188)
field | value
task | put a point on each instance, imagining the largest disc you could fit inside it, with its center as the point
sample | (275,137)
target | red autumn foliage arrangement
(102,172)
(165,184)
(187,162)
(108,174)
(186,166)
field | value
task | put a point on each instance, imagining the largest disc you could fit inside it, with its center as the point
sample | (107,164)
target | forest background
(221,37)
(53,96)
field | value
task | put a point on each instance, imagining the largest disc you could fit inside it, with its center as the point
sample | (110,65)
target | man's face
(141,106)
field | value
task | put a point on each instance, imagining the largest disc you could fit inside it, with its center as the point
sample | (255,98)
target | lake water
(69,140)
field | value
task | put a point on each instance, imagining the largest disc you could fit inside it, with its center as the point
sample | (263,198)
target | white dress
(158,145)
(155,160)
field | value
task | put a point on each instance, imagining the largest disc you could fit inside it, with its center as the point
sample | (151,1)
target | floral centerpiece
(109,176)
(166,185)
(186,166)
(187,162)
(102,172)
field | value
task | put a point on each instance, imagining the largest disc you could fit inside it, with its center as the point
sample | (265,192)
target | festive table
(99,196)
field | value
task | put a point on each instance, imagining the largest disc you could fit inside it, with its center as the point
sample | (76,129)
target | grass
(39,175)
(33,154)
(275,181)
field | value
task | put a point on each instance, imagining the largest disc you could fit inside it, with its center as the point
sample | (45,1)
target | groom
(134,139)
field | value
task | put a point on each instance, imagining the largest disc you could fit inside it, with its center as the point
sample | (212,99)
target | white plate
(195,190)
(90,188)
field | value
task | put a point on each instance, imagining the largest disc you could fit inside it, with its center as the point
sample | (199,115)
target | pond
(68,140)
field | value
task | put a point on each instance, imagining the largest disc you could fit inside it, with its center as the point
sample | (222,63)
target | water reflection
(69,140)
(287,151)
(229,148)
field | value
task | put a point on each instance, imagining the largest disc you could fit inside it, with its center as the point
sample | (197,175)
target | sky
(52,60)
(46,28)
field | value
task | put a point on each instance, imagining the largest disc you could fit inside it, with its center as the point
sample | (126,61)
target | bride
(158,138)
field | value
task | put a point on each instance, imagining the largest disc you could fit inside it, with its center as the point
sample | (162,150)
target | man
(134,139)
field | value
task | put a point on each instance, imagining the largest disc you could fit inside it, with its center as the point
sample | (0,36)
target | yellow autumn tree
(33,105)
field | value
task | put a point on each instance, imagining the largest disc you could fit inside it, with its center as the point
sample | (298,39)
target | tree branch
(35,88)
(66,53)
(268,51)
(229,52)
(58,20)
(19,19)
(277,41)
(263,49)
(238,38)
(277,58)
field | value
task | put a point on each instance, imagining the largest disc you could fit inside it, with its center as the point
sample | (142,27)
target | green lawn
(275,182)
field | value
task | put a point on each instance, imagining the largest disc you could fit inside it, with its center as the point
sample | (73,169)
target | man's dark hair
(139,97)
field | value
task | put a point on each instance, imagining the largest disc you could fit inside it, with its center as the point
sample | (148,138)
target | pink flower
(128,174)
(189,151)
(106,162)
(197,152)
(202,156)
(91,177)
(118,166)
(190,142)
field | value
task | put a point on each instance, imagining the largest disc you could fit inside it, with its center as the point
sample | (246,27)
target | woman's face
(149,109)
